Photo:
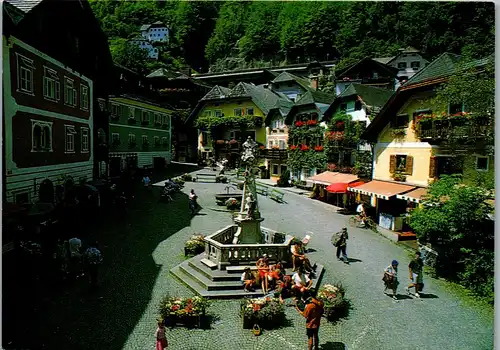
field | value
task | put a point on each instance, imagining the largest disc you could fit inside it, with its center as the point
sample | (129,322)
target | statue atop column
(250,206)
(249,152)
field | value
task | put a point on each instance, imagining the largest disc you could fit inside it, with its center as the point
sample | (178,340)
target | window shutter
(432,168)
(409,165)
(392,164)
(57,86)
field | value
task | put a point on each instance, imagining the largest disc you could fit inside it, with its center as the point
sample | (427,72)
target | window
(84,97)
(249,110)
(70,138)
(275,169)
(115,137)
(482,163)
(157,118)
(204,138)
(237,112)
(357,105)
(282,144)
(157,140)
(375,75)
(41,136)
(145,117)
(144,139)
(218,113)
(415,65)
(51,85)
(402,65)
(22,197)
(400,162)
(164,141)
(85,140)
(131,138)
(400,121)
(25,70)
(454,108)
(343,106)
(208,113)
(114,110)
(69,92)
(137,114)
(166,120)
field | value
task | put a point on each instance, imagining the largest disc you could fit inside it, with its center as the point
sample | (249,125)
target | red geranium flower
(299,123)
(304,148)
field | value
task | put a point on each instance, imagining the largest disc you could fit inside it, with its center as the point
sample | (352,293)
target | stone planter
(194,320)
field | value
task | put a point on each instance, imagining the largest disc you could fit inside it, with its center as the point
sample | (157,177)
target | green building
(140,134)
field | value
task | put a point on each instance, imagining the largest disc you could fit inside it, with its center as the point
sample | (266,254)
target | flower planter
(267,312)
(335,304)
(185,311)
(173,320)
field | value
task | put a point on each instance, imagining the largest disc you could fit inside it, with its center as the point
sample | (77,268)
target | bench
(303,185)
(277,195)
(261,189)
(205,177)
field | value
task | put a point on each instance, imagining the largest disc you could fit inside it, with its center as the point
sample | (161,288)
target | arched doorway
(46,191)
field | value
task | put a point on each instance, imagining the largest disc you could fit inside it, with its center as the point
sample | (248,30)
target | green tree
(129,55)
(454,219)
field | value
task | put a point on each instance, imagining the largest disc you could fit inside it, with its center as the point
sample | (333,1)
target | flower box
(312,122)
(304,147)
(399,132)
(335,303)
(187,311)
(195,245)
(267,312)
(299,123)
(335,135)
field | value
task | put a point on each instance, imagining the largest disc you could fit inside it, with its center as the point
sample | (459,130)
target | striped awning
(413,196)
(381,189)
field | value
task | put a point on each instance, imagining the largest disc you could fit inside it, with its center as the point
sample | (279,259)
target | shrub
(284,180)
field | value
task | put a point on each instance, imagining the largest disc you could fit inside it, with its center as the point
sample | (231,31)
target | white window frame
(145,116)
(69,90)
(240,113)
(113,138)
(42,125)
(131,138)
(25,67)
(69,138)
(156,140)
(218,113)
(487,163)
(85,140)
(84,97)
(145,140)
(208,113)
(51,85)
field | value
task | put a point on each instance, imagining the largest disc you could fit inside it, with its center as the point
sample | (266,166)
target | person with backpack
(391,278)
(339,240)
(415,268)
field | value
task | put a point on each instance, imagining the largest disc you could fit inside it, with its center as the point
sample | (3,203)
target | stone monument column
(249,218)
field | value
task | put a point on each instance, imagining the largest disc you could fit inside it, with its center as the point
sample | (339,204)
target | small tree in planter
(195,245)
(335,303)
(267,312)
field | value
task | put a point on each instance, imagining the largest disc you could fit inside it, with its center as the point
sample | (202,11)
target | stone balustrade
(218,248)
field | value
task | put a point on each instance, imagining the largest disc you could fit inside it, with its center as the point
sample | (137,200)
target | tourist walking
(93,258)
(193,204)
(339,240)
(161,337)
(391,278)
(415,268)
(313,312)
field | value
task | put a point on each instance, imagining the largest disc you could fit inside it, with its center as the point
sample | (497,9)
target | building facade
(139,134)
(48,121)
(408,62)
(151,34)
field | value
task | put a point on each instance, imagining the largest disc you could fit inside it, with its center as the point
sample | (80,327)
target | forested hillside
(228,35)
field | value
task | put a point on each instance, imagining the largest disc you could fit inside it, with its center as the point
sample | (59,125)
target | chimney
(314,82)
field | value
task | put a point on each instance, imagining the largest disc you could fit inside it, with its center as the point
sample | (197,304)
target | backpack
(336,237)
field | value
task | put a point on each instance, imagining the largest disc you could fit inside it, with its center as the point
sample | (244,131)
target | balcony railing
(443,132)
(274,153)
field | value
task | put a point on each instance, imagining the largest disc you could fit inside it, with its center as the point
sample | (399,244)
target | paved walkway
(142,248)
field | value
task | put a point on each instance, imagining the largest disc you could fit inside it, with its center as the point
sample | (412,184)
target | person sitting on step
(299,259)
(248,280)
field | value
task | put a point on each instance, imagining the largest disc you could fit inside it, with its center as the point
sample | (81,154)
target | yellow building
(226,117)
(411,147)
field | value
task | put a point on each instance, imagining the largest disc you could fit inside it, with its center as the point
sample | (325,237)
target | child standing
(161,337)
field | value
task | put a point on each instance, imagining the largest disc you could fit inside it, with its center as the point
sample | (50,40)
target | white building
(152,33)
(408,61)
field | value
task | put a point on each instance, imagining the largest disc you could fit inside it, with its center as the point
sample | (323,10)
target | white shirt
(390,270)
(360,209)
(297,280)
(74,246)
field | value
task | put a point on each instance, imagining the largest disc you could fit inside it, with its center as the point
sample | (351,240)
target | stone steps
(219,284)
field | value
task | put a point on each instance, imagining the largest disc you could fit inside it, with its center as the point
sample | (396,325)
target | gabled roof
(145,27)
(390,70)
(158,23)
(410,49)
(17,9)
(312,97)
(164,73)
(217,92)
(435,73)
(442,66)
(24,5)
(372,96)
(286,77)
(384,60)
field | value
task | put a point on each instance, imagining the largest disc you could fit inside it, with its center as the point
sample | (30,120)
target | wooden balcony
(443,132)
(274,153)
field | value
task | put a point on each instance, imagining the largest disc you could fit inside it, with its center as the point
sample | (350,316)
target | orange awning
(413,196)
(381,189)
(329,177)
(341,187)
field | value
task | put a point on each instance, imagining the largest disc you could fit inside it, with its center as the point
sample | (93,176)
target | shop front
(331,187)
(389,210)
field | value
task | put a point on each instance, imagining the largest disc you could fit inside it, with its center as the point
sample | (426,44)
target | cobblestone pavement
(142,248)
